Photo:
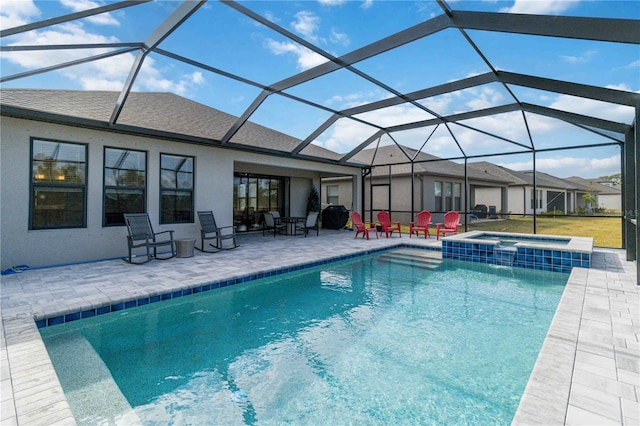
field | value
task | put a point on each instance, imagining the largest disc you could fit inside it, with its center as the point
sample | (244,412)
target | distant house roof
(595,186)
(525,178)
(423,164)
(150,114)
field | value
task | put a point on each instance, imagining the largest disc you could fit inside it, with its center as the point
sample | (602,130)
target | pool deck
(588,371)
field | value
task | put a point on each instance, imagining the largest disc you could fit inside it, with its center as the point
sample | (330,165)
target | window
(447,196)
(176,189)
(125,181)
(457,198)
(58,185)
(333,193)
(437,189)
(538,199)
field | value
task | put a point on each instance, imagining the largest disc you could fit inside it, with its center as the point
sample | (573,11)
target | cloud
(339,38)
(540,7)
(350,100)
(106,74)
(331,2)
(590,107)
(635,64)
(16,13)
(305,58)
(345,135)
(82,5)
(582,59)
(307,24)
(67,33)
(197,77)
(570,166)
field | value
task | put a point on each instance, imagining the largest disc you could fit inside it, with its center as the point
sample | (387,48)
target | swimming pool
(381,339)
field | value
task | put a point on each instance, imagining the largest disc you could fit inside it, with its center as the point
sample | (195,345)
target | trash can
(492,212)
(335,217)
(184,247)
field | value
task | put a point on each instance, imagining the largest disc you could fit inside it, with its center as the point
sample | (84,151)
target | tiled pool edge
(36,396)
(46,320)
(546,395)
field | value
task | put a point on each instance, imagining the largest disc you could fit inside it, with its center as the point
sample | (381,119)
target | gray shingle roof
(593,185)
(160,112)
(524,177)
(425,164)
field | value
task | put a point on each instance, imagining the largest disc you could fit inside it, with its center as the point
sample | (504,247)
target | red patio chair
(422,225)
(450,226)
(362,227)
(386,225)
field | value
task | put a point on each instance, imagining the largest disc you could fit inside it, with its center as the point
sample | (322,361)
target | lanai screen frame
(624,135)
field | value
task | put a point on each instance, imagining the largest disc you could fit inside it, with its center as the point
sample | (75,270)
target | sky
(220,37)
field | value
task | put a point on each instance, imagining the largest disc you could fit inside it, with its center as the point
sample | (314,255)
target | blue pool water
(369,341)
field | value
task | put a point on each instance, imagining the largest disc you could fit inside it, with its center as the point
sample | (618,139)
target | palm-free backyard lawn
(606,231)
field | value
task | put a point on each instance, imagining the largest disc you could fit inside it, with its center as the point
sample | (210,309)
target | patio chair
(450,225)
(210,231)
(276,216)
(141,235)
(363,228)
(310,223)
(386,225)
(422,225)
(270,223)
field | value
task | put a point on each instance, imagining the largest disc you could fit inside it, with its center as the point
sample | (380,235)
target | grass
(606,231)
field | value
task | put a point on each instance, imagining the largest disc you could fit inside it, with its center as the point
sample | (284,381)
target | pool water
(369,341)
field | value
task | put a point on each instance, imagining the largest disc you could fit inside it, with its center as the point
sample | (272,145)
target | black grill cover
(335,217)
(481,211)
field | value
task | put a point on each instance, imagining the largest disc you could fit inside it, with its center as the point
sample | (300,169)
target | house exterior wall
(345,194)
(423,191)
(518,199)
(489,197)
(213,190)
(610,201)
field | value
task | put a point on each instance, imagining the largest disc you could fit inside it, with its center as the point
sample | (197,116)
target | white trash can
(184,247)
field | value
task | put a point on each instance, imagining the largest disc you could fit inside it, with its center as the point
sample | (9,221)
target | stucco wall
(489,197)
(610,201)
(213,190)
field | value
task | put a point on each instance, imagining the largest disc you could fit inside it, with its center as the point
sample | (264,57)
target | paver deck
(588,371)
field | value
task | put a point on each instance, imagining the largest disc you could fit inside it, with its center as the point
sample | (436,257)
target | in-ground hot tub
(544,252)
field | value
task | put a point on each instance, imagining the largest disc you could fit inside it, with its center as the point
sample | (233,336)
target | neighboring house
(68,173)
(439,185)
(553,194)
(608,195)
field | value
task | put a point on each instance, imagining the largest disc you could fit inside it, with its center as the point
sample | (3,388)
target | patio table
(291,222)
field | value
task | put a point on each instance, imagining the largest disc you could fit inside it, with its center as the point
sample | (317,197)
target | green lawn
(606,231)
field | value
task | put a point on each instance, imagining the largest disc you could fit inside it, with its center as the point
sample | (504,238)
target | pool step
(94,397)
(424,259)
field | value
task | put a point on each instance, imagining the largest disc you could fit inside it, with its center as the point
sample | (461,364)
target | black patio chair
(210,231)
(141,235)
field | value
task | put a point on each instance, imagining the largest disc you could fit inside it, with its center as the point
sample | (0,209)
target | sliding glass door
(255,194)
